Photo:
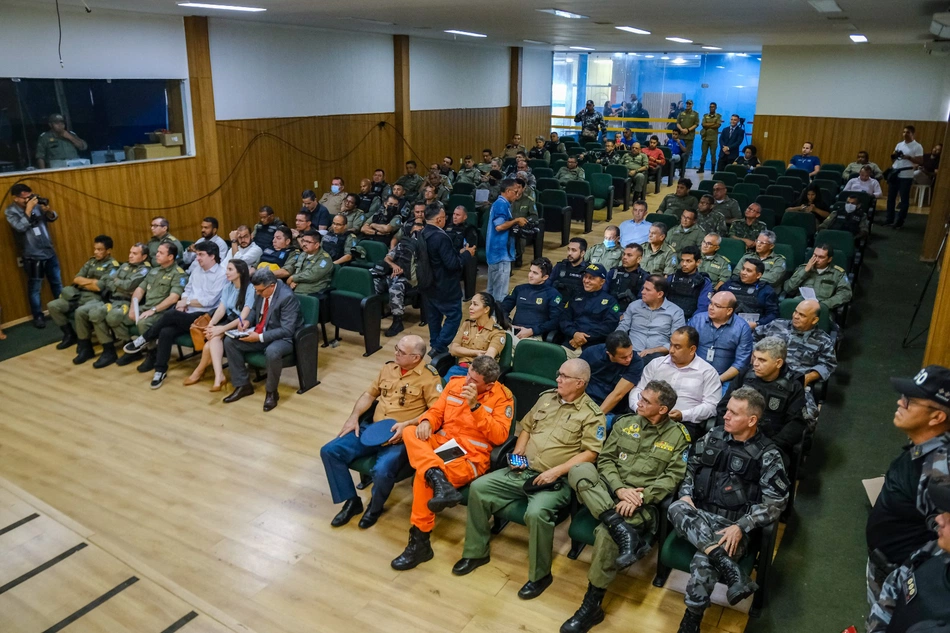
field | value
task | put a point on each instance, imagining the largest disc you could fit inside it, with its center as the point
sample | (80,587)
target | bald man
(564,428)
(725,339)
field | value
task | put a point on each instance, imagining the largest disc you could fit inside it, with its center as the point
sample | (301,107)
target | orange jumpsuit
(478,432)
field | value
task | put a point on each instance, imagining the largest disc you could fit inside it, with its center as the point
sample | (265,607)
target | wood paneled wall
(455,133)
(535,121)
(150,185)
(837,140)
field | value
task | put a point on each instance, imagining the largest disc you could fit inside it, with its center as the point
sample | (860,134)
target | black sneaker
(39,322)
(158,379)
(133,348)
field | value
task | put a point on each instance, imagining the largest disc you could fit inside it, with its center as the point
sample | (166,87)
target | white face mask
(850,208)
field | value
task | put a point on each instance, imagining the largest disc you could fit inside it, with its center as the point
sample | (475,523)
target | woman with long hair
(482,333)
(812,201)
(237,299)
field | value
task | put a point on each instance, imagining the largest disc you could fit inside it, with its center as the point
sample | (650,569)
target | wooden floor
(231,505)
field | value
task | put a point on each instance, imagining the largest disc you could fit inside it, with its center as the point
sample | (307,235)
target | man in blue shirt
(806,160)
(538,305)
(590,316)
(637,230)
(500,243)
(725,339)
(614,370)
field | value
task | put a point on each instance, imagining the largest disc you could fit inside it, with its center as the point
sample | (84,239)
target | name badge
(710,355)
(36,230)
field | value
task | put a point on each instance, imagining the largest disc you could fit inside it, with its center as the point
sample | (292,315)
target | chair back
(786,193)
(539,359)
(778,165)
(556,156)
(554,197)
(600,184)
(357,281)
(741,199)
(617,171)
(791,181)
(787,307)
(760,179)
(592,168)
(309,309)
(557,164)
(836,167)
(548,183)
(463,200)
(798,173)
(792,258)
(577,187)
(748,189)
(739,170)
(543,172)
(794,236)
(768,216)
(375,251)
(776,203)
(534,163)
(668,219)
(727,177)
(805,220)
(593,146)
(732,249)
(829,174)
(839,240)
(706,186)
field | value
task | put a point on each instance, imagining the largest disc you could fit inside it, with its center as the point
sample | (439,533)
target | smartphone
(517,462)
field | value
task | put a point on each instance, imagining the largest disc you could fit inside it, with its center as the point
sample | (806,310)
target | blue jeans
(498,277)
(49,268)
(455,370)
(441,334)
(337,455)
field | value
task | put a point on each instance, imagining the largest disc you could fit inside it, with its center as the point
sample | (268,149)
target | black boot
(625,537)
(418,551)
(690,622)
(444,494)
(740,585)
(107,357)
(69,337)
(396,326)
(589,615)
(148,364)
(84,352)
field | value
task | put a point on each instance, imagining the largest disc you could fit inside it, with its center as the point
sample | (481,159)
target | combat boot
(589,615)
(418,551)
(396,326)
(69,337)
(740,585)
(107,357)
(625,537)
(148,364)
(690,622)
(444,494)
(84,352)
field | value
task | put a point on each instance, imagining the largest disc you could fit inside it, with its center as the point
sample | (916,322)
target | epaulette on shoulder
(180,269)
(507,392)
(685,432)
(593,407)
(840,269)
(435,372)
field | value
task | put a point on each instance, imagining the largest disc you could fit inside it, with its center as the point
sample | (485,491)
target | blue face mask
(610,243)
(335,188)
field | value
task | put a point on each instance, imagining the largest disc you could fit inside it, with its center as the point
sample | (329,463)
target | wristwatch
(476,407)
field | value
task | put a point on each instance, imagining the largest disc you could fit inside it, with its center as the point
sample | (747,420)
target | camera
(529,230)
(41,201)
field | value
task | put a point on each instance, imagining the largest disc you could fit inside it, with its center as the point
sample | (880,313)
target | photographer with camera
(500,243)
(900,176)
(29,216)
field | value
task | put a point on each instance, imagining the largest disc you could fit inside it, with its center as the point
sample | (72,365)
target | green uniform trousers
(492,492)
(84,323)
(99,316)
(712,147)
(120,320)
(640,183)
(594,493)
(61,307)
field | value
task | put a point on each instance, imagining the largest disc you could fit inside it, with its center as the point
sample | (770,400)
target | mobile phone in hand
(517,462)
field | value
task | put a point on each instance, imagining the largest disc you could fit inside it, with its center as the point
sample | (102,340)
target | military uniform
(679,238)
(565,175)
(116,292)
(730,483)
(637,454)
(625,285)
(606,257)
(159,284)
(568,279)
(471,336)
(687,120)
(710,137)
(674,204)
(354,219)
(540,153)
(592,124)
(471,176)
(50,147)
(742,230)
(511,151)
(337,245)
(712,222)
(775,267)
(403,254)
(557,431)
(400,397)
(155,242)
(729,209)
(831,285)
(333,202)
(913,593)
(635,169)
(311,273)
(596,314)
(411,185)
(717,268)
(72,298)
(659,262)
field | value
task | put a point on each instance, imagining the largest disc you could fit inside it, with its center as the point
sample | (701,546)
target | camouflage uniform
(660,262)
(831,285)
(712,222)
(700,524)
(116,291)
(72,299)
(775,267)
(637,454)
(678,237)
(902,586)
(812,350)
(159,284)
(743,231)
(383,281)
(411,185)
(674,205)
(592,123)
(717,267)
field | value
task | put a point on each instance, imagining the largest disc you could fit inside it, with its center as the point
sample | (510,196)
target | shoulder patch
(840,269)
(432,369)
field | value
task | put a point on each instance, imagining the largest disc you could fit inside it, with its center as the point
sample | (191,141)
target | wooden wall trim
(515,81)
(402,119)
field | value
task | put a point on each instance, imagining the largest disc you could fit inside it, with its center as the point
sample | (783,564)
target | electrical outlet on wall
(766,135)
(316,185)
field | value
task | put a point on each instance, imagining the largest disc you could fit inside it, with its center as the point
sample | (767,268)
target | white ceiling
(734,25)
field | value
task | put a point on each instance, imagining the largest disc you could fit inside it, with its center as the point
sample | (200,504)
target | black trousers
(172,325)
(902,187)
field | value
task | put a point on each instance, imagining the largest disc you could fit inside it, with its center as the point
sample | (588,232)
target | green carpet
(819,571)
(25,338)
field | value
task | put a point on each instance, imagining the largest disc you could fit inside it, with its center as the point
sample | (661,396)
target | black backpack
(425,277)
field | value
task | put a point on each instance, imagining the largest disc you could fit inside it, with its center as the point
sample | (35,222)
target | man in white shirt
(696,382)
(201,296)
(209,232)
(244,248)
(908,154)
(637,230)
(864,182)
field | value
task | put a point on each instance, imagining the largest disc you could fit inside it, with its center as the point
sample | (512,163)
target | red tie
(260,324)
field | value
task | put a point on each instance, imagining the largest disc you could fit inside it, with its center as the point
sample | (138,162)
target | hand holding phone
(517,462)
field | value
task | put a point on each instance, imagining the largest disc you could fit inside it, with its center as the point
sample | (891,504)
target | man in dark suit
(274,321)
(729,142)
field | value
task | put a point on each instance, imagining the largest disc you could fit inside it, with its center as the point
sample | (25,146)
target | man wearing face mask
(333,200)
(609,253)
(382,223)
(850,218)
(829,282)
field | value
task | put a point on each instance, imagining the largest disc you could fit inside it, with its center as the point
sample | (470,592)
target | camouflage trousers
(699,528)
(811,410)
(396,286)
(876,575)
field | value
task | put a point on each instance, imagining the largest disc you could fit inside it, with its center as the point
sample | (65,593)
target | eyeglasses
(708,243)
(399,352)
(905,403)
(566,377)
(157,226)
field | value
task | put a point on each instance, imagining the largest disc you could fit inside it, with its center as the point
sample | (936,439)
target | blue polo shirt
(808,163)
(605,374)
(499,246)
(729,345)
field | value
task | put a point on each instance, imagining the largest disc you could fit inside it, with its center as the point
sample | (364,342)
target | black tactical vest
(747,297)
(850,222)
(924,595)
(684,291)
(333,244)
(727,480)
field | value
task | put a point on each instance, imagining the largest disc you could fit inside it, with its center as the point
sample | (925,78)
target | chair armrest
(443,362)
(499,453)
(368,416)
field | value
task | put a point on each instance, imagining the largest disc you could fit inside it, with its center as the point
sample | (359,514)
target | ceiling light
(712,48)
(665,57)
(825,6)
(533,42)
(649,56)
(633,54)
(223,7)
(564,14)
(469,34)
(678,60)
(858,38)
(740,86)
(680,40)
(723,67)
(632,29)
(581,48)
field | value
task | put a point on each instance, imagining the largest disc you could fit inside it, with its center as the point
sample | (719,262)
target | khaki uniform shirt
(729,209)
(564,174)
(678,237)
(775,266)
(473,337)
(660,262)
(639,454)
(333,202)
(606,257)
(511,151)
(686,120)
(155,242)
(411,184)
(558,431)
(831,285)
(717,268)
(711,133)
(311,273)
(637,162)
(51,147)
(160,283)
(404,396)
